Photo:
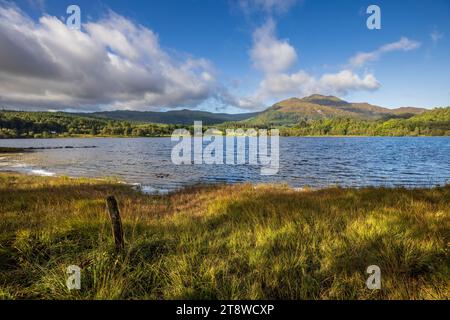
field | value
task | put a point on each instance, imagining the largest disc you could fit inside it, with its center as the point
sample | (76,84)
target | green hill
(429,123)
(435,115)
(20,124)
(295,110)
(181,117)
(310,116)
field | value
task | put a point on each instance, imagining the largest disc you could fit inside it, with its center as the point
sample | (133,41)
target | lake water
(313,162)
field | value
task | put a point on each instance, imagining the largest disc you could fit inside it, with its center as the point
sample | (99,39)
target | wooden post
(116,222)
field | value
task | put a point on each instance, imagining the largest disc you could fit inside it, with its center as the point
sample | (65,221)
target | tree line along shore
(50,124)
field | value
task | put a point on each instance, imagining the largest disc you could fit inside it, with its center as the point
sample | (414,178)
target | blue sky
(243,55)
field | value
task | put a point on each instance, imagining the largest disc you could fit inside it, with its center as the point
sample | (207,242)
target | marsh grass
(222,242)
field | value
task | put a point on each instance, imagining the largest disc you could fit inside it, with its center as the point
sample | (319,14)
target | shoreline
(136,186)
(169,136)
(159,192)
(10,150)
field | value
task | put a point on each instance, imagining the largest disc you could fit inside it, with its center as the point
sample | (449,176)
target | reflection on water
(314,162)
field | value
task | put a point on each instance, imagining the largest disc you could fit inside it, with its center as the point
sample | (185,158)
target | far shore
(169,136)
(10,150)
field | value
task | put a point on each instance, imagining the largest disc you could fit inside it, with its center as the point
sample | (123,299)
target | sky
(221,55)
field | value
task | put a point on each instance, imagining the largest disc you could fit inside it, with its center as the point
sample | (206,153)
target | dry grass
(222,242)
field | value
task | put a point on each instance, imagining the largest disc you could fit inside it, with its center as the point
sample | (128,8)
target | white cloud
(299,84)
(404,44)
(275,57)
(111,63)
(436,35)
(270,54)
(302,83)
(115,63)
(345,81)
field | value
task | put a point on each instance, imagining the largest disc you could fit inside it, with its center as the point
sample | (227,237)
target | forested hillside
(14,124)
(317,107)
(183,117)
(430,123)
(49,124)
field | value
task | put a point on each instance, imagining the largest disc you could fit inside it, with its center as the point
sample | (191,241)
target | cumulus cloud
(110,63)
(404,44)
(276,57)
(345,81)
(270,54)
(301,83)
(114,63)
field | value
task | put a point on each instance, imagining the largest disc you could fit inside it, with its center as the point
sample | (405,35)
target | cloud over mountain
(276,58)
(116,63)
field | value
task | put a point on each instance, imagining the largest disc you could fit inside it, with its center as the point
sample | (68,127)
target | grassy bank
(222,242)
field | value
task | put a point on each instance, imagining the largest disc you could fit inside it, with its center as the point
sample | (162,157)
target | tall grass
(222,242)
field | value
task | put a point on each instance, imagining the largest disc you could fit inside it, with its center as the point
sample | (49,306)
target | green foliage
(431,123)
(180,117)
(47,124)
(328,115)
(15,124)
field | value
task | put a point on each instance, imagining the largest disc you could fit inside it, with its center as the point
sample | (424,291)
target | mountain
(181,117)
(295,110)
(286,112)
(20,124)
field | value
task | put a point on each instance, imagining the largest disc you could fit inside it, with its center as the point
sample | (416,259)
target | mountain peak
(316,106)
(325,100)
(319,97)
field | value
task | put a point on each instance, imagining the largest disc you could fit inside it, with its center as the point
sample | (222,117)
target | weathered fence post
(116,222)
